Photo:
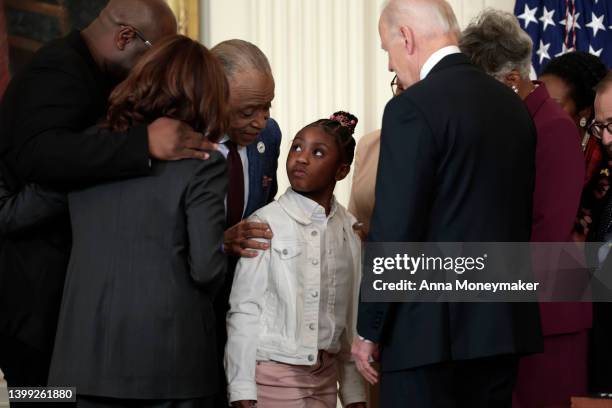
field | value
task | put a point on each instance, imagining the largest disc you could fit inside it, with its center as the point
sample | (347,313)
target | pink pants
(291,386)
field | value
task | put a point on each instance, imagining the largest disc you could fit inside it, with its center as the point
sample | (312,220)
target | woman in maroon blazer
(496,42)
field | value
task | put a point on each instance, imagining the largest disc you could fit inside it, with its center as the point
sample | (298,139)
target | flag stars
(564,50)
(543,51)
(547,18)
(596,23)
(572,22)
(528,16)
(595,52)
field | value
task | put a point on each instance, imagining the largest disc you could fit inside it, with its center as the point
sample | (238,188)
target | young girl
(293,307)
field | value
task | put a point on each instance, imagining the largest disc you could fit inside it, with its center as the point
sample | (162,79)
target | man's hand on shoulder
(170,139)
(239,240)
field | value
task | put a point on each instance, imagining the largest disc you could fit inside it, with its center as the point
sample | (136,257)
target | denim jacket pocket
(288,250)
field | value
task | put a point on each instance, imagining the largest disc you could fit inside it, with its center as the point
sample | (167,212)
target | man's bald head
(428,18)
(124,30)
(411,31)
(153,18)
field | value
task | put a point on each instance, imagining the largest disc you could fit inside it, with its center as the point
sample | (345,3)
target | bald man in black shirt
(43,118)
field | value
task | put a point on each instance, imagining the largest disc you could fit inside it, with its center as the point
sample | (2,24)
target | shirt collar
(436,57)
(225,138)
(305,210)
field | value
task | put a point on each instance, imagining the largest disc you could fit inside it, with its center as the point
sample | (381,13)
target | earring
(583,122)
(515,89)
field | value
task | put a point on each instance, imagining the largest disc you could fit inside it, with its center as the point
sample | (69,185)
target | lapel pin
(261,147)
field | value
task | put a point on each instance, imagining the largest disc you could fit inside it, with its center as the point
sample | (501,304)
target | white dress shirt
(437,57)
(242,151)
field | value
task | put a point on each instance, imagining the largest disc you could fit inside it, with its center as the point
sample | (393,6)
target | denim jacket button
(285,252)
(312,326)
(315,294)
(315,261)
(311,357)
(314,233)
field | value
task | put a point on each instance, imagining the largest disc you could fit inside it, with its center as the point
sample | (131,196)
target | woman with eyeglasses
(571,80)
(496,42)
(136,324)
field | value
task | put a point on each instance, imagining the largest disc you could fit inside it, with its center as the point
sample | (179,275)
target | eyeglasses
(597,128)
(394,85)
(139,35)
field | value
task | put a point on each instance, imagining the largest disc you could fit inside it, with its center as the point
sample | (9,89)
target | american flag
(560,26)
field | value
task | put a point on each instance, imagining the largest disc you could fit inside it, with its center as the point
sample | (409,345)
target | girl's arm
(243,324)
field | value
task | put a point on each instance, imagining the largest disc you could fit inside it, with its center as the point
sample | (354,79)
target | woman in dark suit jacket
(497,43)
(136,321)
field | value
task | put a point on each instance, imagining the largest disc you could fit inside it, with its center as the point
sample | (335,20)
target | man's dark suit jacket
(137,319)
(464,146)
(43,118)
(600,352)
(262,164)
(263,186)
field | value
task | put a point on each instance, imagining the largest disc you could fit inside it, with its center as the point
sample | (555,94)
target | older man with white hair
(456,136)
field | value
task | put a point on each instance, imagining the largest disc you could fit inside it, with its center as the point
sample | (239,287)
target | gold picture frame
(188,17)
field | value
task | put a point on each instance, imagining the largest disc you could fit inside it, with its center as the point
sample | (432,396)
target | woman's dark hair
(582,72)
(179,79)
(341,126)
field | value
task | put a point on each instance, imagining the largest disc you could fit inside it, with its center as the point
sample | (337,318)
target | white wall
(325,55)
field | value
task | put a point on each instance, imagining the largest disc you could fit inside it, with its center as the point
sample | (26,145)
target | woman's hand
(582,225)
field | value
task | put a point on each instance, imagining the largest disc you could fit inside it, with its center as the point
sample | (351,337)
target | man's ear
(342,171)
(123,37)
(408,39)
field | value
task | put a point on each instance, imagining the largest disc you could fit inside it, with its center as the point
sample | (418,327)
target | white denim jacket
(274,304)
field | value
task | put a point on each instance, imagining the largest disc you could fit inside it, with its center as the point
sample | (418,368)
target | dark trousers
(84,401)
(23,365)
(478,383)
(221,306)
(600,353)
